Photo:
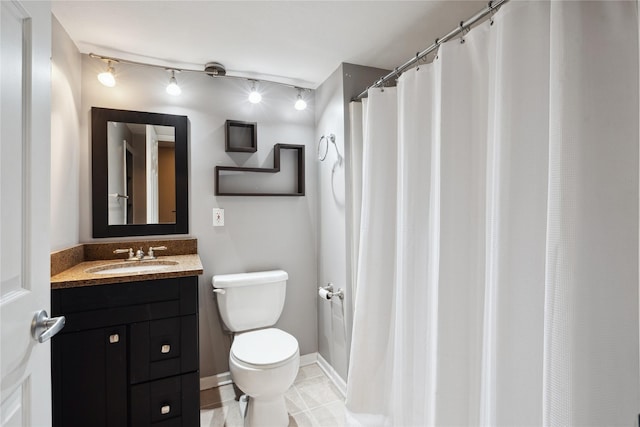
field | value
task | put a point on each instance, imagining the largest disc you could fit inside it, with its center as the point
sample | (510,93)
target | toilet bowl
(263,360)
(263,364)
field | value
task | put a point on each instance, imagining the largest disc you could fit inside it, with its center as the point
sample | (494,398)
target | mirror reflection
(141,173)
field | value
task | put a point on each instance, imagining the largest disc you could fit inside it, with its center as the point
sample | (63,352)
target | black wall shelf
(241,137)
(276,168)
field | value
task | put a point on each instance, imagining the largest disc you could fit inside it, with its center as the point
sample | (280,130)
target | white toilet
(263,361)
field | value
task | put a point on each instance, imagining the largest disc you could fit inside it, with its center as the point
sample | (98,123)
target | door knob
(43,327)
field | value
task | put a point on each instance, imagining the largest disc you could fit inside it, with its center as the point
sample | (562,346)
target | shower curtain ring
(463,31)
(492,11)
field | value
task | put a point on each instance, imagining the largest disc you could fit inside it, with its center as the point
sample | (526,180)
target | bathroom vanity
(128,354)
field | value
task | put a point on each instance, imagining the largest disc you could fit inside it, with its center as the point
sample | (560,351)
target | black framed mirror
(139,169)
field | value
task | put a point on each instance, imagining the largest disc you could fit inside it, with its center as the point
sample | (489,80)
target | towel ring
(323,146)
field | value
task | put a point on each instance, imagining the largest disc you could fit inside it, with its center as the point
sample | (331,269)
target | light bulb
(255,97)
(108,77)
(300,103)
(173,88)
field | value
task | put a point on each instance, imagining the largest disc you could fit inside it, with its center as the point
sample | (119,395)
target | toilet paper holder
(326,292)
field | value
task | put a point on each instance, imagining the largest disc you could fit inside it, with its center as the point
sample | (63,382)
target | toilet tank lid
(247,279)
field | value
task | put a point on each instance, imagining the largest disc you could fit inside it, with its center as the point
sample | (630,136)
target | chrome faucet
(124,251)
(151,255)
(139,254)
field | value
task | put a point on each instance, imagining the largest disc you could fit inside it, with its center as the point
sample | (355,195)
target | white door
(25,120)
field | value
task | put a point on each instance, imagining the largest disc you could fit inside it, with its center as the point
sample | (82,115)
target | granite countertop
(76,276)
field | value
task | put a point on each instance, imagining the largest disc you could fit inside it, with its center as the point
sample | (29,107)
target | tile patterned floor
(312,401)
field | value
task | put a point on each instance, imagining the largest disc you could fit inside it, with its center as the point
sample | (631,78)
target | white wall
(65,138)
(259,232)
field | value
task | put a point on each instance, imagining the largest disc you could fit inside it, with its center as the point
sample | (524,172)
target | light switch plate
(218,217)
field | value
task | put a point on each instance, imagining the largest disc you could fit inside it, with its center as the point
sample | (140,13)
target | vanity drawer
(170,402)
(100,306)
(161,348)
(87,298)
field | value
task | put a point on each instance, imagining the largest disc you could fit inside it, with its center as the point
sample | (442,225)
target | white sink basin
(132,267)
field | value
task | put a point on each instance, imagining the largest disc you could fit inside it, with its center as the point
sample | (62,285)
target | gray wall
(259,232)
(334,264)
(332,341)
(65,138)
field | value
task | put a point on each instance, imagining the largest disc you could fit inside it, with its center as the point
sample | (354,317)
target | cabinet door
(90,378)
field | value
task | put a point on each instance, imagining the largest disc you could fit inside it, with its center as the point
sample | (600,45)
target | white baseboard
(225,377)
(336,379)
(308,359)
(215,380)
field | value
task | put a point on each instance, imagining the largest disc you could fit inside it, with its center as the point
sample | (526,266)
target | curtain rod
(464,26)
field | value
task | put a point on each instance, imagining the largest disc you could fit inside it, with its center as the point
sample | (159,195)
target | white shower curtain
(497,280)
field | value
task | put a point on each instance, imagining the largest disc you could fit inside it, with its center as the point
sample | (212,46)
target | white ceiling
(294,42)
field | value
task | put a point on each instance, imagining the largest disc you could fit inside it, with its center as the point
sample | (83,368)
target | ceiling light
(214,69)
(254,95)
(172,87)
(108,77)
(300,103)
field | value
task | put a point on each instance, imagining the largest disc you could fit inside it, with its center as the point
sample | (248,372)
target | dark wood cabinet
(128,355)
(96,374)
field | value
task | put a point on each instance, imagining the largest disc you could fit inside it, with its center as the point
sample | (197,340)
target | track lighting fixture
(254,95)
(108,77)
(300,104)
(172,87)
(213,69)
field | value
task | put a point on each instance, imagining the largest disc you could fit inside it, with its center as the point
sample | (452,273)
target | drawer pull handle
(114,338)
(165,409)
(165,349)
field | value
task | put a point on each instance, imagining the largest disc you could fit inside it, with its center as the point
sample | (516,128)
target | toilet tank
(250,300)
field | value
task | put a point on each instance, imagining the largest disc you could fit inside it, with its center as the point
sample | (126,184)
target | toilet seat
(264,348)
